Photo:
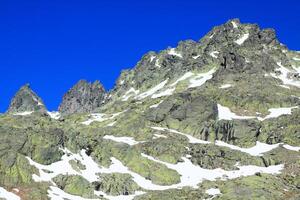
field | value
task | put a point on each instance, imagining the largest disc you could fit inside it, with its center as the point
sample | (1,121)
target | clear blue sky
(51,44)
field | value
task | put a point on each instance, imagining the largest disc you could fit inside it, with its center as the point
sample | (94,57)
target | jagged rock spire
(83,97)
(25,100)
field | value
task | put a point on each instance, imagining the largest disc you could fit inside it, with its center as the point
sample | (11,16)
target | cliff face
(83,97)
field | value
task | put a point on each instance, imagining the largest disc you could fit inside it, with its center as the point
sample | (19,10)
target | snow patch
(156,105)
(174,53)
(99,117)
(23,113)
(277,112)
(195,57)
(159,136)
(214,54)
(127,140)
(166,92)
(201,78)
(182,78)
(152,58)
(225,86)
(8,195)
(54,114)
(112,123)
(234,24)
(152,90)
(285,86)
(284,75)
(192,139)
(131,92)
(256,150)
(241,40)
(296,59)
(213,191)
(157,63)
(292,148)
(224,113)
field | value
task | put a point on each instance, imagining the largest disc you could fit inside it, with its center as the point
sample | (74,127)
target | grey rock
(83,97)
(26,100)
(254,56)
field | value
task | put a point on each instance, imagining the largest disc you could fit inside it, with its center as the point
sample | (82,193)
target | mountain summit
(25,100)
(83,97)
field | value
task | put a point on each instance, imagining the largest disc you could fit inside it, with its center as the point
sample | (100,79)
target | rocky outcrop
(83,97)
(233,48)
(25,100)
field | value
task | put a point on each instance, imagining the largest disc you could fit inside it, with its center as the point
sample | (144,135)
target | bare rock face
(25,100)
(83,97)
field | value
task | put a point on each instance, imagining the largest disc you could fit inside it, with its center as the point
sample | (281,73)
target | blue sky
(51,44)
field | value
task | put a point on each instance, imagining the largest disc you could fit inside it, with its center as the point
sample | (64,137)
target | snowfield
(191,175)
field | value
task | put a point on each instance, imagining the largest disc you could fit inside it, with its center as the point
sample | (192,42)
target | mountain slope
(217,118)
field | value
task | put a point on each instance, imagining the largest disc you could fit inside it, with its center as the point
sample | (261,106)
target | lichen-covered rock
(75,185)
(25,100)
(116,184)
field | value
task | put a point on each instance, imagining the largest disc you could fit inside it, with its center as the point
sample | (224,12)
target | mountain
(83,97)
(26,101)
(216,118)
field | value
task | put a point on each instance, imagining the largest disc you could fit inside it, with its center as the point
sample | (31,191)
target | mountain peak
(83,97)
(26,100)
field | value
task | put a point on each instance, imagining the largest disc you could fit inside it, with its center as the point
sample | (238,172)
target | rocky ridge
(215,118)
